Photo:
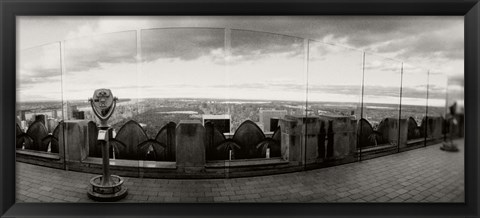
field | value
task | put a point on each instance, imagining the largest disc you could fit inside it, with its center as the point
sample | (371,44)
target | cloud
(382,91)
(435,43)
(328,89)
(415,92)
(87,53)
(39,65)
(183,44)
(51,76)
(367,31)
(253,45)
(193,43)
(456,80)
(432,44)
(259,85)
(40,74)
(378,64)
(337,89)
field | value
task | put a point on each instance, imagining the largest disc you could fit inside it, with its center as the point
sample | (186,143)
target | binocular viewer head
(103,103)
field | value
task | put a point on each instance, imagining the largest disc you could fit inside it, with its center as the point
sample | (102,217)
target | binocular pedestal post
(106,187)
(106,157)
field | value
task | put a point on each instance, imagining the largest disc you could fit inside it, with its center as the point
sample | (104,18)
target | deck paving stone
(419,175)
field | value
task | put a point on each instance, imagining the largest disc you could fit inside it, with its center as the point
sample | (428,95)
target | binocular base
(111,192)
(449,146)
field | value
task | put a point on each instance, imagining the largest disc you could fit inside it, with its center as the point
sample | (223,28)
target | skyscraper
(267,115)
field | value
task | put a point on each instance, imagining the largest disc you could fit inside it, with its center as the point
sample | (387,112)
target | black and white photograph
(224,109)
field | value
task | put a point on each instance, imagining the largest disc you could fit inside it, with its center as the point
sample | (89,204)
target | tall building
(51,124)
(54,113)
(70,112)
(22,115)
(78,115)
(42,118)
(221,122)
(75,114)
(270,117)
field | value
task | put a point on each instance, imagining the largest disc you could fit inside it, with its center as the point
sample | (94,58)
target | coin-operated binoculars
(106,187)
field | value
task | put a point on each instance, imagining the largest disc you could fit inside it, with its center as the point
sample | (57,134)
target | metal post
(361,108)
(400,109)
(306,50)
(228,55)
(106,158)
(138,64)
(446,123)
(426,110)
(64,103)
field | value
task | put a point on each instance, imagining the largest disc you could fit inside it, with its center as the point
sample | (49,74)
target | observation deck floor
(426,174)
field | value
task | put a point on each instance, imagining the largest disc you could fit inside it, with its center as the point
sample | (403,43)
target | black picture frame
(470,9)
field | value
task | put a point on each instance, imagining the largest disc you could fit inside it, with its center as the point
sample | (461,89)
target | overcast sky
(179,62)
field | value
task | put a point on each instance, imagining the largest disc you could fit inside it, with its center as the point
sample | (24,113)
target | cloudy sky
(256,58)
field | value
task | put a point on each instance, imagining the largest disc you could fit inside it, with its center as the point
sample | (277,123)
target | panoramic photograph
(207,109)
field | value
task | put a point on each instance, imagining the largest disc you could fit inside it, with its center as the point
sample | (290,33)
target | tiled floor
(420,175)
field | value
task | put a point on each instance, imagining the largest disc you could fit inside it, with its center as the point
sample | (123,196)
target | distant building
(42,118)
(78,115)
(22,115)
(30,116)
(274,124)
(70,112)
(54,114)
(266,116)
(75,114)
(221,122)
(51,124)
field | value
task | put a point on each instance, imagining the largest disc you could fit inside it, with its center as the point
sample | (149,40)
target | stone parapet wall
(315,140)
(341,137)
(187,148)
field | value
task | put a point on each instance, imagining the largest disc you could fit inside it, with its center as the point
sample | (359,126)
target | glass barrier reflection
(267,82)
(334,94)
(413,107)
(436,111)
(183,77)
(378,128)
(39,99)
(455,107)
(241,86)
